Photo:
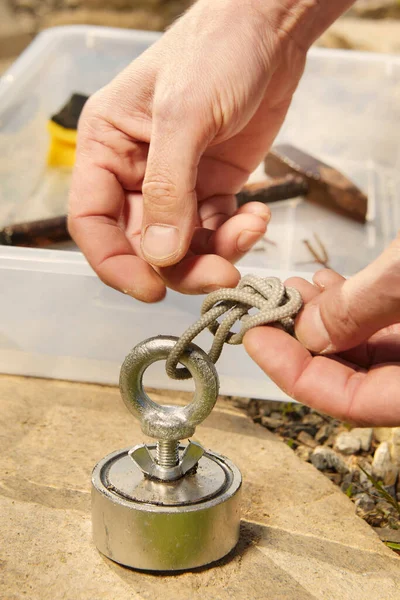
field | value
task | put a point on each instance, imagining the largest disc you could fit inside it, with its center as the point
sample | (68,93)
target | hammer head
(326,185)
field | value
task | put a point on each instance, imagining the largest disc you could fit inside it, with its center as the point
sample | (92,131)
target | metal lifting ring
(168,422)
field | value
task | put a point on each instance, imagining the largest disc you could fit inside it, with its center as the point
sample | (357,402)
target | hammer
(294,173)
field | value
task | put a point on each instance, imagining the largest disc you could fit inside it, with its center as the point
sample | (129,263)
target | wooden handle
(36,234)
(273,190)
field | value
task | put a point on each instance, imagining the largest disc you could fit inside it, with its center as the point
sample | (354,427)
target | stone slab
(300,536)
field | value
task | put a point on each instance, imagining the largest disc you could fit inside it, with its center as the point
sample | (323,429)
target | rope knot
(276,304)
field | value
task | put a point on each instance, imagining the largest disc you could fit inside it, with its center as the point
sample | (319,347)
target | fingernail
(311,331)
(263,212)
(160,241)
(247,239)
(211,288)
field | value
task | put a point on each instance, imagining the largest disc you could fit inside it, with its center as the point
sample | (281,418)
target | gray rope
(275,303)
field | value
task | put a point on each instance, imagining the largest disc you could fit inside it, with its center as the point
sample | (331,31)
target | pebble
(382,466)
(303,452)
(391,490)
(395,446)
(313,419)
(323,433)
(374,518)
(364,502)
(253,408)
(271,423)
(364,434)
(306,439)
(295,428)
(364,481)
(347,481)
(347,443)
(334,477)
(384,507)
(324,458)
(382,434)
(276,415)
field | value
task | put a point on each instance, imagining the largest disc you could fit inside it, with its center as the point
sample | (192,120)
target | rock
(364,434)
(384,507)
(253,408)
(382,434)
(336,478)
(382,466)
(271,423)
(374,518)
(294,412)
(295,428)
(324,458)
(276,415)
(306,439)
(347,443)
(347,486)
(364,502)
(389,535)
(364,481)
(391,490)
(313,419)
(323,433)
(352,462)
(351,479)
(304,453)
(331,441)
(395,447)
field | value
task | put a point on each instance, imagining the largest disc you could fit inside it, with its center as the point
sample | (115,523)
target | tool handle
(273,190)
(37,234)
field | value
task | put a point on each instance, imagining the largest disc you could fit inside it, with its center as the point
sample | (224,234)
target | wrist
(302,21)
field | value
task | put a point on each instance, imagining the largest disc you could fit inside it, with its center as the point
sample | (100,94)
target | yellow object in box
(62,146)
(63,132)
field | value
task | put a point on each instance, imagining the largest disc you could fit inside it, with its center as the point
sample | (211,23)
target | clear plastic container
(59,320)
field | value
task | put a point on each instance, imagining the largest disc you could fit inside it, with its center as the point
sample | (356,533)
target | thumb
(169,196)
(350,312)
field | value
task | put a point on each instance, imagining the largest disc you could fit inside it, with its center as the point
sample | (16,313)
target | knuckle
(349,322)
(161,194)
(169,106)
(339,314)
(90,111)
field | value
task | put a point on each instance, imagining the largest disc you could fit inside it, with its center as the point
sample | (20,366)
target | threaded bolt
(167,453)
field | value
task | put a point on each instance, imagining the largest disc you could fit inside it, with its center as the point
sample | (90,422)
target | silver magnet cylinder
(155,526)
(166,507)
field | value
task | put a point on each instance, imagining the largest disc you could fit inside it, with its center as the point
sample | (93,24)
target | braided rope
(275,303)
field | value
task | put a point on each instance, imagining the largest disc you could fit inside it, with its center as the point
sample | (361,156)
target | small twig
(321,257)
(322,247)
(268,241)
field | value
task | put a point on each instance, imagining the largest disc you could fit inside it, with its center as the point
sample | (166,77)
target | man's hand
(354,326)
(164,148)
